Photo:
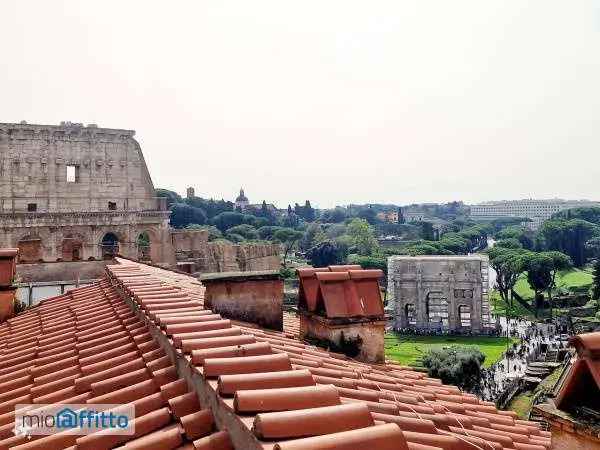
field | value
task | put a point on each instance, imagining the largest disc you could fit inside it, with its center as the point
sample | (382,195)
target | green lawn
(409,349)
(570,280)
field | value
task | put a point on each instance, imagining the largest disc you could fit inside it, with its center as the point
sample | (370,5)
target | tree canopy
(568,236)
(183,215)
(460,366)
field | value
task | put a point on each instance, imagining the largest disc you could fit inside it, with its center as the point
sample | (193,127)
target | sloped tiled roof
(88,346)
(267,389)
(583,380)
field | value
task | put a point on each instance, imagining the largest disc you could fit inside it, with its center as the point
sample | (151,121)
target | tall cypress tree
(596,284)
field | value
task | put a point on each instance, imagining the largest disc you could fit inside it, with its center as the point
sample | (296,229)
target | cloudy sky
(336,101)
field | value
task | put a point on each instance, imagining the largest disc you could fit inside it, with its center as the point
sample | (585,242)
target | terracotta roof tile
(273,381)
(88,346)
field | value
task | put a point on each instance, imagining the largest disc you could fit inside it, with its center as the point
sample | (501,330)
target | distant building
(388,216)
(413,216)
(190,192)
(536,210)
(241,201)
(440,293)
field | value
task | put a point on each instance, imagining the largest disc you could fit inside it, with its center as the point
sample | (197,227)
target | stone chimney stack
(341,308)
(8,263)
(255,297)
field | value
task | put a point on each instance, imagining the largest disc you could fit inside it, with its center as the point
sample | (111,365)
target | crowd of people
(535,338)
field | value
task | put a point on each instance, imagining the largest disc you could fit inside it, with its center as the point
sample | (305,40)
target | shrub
(456,365)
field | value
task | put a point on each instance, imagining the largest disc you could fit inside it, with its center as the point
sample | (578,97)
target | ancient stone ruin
(440,294)
(71,192)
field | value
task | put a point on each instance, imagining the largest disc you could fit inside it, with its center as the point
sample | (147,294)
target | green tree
(369,262)
(508,264)
(460,366)
(568,236)
(362,237)
(539,268)
(248,232)
(596,283)
(327,253)
(312,236)
(427,231)
(309,212)
(336,215)
(368,214)
(509,243)
(560,261)
(210,207)
(213,232)
(183,215)
(226,220)
(591,214)
(290,221)
(267,232)
(172,197)
(288,237)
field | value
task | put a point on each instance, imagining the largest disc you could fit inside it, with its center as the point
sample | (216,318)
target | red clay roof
(583,379)
(88,346)
(135,336)
(340,291)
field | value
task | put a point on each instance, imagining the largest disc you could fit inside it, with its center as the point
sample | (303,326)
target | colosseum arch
(109,245)
(148,244)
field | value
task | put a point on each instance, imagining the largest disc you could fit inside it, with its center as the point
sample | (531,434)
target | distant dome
(241,197)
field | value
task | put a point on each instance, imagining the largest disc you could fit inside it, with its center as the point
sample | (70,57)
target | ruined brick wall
(108,167)
(220,256)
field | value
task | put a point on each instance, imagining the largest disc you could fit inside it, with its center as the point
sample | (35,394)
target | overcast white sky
(335,101)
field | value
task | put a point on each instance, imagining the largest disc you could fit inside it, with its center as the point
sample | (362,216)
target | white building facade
(536,210)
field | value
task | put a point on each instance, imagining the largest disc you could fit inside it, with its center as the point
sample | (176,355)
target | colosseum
(72,192)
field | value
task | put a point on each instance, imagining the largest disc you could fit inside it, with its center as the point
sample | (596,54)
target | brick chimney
(255,297)
(341,308)
(8,263)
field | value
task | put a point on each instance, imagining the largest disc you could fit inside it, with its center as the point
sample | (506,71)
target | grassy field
(409,349)
(570,280)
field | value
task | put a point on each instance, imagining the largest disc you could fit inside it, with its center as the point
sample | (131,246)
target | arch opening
(410,312)
(464,316)
(72,248)
(143,247)
(437,310)
(109,246)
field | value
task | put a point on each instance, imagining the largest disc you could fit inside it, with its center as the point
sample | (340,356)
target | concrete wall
(255,301)
(425,282)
